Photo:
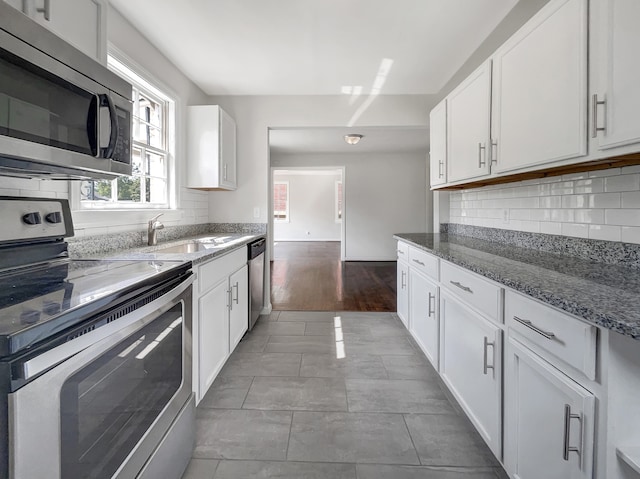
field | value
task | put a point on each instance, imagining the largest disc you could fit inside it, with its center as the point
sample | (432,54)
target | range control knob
(53,218)
(32,218)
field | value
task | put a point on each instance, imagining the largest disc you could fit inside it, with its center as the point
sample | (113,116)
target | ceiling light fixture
(353,139)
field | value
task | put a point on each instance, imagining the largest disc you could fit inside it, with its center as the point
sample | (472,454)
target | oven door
(102,411)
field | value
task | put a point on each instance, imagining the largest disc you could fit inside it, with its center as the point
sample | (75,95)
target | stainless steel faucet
(154,226)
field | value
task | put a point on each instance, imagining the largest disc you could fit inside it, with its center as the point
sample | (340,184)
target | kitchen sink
(207,243)
(191,247)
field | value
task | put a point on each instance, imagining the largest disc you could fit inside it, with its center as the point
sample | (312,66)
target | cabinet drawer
(553,334)
(403,251)
(472,288)
(423,262)
(216,269)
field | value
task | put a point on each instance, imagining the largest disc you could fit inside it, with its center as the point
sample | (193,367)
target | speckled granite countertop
(603,294)
(215,245)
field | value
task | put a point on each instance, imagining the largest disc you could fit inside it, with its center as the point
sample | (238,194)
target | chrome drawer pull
(533,327)
(566,448)
(461,286)
(486,354)
(400,251)
(431,296)
(419,262)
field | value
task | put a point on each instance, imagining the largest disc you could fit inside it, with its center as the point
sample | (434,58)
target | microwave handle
(105,101)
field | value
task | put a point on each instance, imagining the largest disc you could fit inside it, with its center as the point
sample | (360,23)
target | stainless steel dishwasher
(256,279)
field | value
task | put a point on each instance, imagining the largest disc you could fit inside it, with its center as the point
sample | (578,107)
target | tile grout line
(247,393)
(404,420)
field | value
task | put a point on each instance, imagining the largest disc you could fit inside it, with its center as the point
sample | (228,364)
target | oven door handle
(143,315)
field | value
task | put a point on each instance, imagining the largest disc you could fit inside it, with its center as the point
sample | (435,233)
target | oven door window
(37,106)
(108,405)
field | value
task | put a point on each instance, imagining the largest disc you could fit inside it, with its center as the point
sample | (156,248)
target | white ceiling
(331,140)
(316,47)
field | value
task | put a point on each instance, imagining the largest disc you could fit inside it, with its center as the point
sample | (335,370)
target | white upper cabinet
(539,89)
(82,23)
(438,144)
(468,111)
(615,74)
(211,147)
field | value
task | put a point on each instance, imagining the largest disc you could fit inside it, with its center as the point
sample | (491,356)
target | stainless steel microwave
(62,114)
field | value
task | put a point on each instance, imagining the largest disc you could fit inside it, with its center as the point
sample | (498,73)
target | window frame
(145,83)
(338,214)
(287,210)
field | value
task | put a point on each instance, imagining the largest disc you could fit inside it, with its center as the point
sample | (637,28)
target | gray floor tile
(363,315)
(399,396)
(301,344)
(284,470)
(227,392)
(447,440)
(262,364)
(300,394)
(241,434)
(357,344)
(377,471)
(306,316)
(252,343)
(352,366)
(349,437)
(273,316)
(409,367)
(320,328)
(201,469)
(269,328)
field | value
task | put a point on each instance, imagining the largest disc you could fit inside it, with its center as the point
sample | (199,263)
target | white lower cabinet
(221,315)
(239,305)
(471,366)
(549,420)
(424,314)
(403,292)
(213,334)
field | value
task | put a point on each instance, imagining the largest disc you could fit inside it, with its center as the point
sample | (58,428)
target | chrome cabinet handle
(566,447)
(594,115)
(225,171)
(400,251)
(486,354)
(440,165)
(430,311)
(402,283)
(45,10)
(461,286)
(494,147)
(533,327)
(481,150)
(419,262)
(230,299)
(237,292)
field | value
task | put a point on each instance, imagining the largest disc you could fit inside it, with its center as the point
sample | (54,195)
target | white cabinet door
(403,292)
(468,116)
(539,89)
(211,148)
(438,144)
(424,314)
(549,420)
(615,72)
(213,334)
(228,151)
(470,365)
(239,312)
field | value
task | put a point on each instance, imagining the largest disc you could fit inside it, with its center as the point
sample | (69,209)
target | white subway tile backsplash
(575,229)
(622,183)
(602,204)
(603,232)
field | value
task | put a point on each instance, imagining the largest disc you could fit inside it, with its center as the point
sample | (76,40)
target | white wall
(383,194)
(601,205)
(193,206)
(311,207)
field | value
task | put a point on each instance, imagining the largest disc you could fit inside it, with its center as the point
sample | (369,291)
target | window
(148,186)
(338,201)
(281,201)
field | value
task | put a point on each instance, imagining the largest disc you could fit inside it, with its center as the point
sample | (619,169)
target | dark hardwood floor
(309,276)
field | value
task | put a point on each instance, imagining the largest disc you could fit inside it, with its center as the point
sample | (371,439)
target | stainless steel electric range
(95,356)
